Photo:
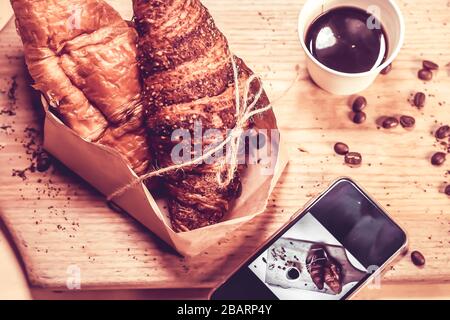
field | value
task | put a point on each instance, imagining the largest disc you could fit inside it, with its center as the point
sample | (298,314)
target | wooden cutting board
(59,223)
(6,13)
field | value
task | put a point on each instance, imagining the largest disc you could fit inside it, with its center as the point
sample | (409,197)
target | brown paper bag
(106,170)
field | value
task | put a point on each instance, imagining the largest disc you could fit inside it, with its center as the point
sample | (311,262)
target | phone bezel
(299,214)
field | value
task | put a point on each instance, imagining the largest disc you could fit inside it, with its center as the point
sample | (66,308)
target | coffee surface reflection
(348,39)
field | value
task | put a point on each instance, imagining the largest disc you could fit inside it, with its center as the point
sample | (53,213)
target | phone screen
(324,254)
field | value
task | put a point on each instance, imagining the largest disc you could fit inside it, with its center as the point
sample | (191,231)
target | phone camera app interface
(329,250)
(308,263)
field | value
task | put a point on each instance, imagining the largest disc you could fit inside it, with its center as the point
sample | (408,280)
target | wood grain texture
(57,220)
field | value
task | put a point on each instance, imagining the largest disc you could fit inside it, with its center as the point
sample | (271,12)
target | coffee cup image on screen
(308,262)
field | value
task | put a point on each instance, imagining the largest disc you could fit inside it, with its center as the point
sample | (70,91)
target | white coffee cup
(341,83)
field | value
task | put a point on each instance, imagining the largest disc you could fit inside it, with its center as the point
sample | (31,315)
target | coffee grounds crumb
(12,89)
(7,129)
(10,108)
(31,142)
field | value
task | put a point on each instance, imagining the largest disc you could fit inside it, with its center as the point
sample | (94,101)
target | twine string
(243,114)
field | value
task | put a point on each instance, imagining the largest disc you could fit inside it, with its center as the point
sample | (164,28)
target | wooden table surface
(57,221)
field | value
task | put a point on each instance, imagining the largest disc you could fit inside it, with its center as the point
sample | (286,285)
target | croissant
(82,56)
(188,77)
(333,275)
(315,262)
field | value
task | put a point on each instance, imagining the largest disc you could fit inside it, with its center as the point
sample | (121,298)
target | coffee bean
(407,121)
(425,75)
(359,104)
(387,69)
(43,162)
(430,65)
(341,148)
(438,159)
(353,158)
(443,132)
(419,99)
(359,117)
(447,190)
(390,123)
(417,258)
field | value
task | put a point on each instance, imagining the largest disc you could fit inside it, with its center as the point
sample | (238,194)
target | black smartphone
(328,251)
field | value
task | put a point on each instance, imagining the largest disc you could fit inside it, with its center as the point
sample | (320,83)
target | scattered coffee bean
(417,258)
(438,159)
(341,148)
(419,99)
(387,69)
(43,162)
(359,117)
(443,132)
(447,190)
(430,65)
(353,158)
(359,104)
(425,75)
(407,121)
(390,123)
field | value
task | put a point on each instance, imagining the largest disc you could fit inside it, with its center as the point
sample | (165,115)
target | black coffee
(348,39)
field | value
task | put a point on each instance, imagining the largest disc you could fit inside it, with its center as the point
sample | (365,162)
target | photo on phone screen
(308,262)
(325,253)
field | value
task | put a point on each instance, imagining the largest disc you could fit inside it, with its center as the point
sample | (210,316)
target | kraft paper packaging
(107,171)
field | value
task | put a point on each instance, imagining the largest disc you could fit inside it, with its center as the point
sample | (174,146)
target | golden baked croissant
(187,77)
(82,56)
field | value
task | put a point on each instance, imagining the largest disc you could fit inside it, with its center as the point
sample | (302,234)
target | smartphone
(340,242)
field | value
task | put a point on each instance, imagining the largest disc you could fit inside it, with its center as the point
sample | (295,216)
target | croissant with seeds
(188,78)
